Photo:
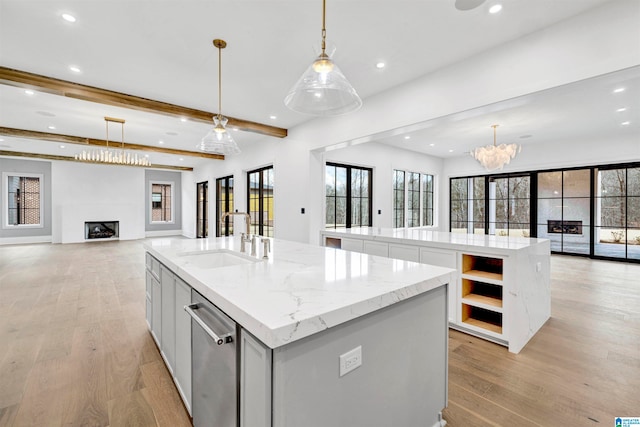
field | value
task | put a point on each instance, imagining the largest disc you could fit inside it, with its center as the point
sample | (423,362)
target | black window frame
(349,196)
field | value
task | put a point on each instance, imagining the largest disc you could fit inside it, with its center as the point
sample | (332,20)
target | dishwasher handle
(219,340)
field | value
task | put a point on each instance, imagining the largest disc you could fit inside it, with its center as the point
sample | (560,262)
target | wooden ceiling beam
(72,159)
(69,139)
(69,89)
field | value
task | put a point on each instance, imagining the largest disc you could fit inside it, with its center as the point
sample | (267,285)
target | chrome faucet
(247,219)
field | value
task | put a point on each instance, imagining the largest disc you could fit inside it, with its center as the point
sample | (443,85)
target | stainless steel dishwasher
(214,365)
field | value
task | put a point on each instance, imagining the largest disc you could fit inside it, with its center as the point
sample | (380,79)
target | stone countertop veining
(301,289)
(443,239)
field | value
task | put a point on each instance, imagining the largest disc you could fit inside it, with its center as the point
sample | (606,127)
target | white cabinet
(148,291)
(404,252)
(354,245)
(182,372)
(168,347)
(375,248)
(444,258)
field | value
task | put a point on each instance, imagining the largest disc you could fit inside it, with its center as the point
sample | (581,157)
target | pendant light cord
(324,30)
(494,134)
(219,83)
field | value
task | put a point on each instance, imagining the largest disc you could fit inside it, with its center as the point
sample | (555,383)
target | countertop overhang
(301,289)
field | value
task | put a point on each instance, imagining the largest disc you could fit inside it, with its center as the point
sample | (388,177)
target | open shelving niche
(482,293)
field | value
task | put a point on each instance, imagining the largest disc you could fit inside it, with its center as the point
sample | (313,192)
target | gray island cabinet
(325,337)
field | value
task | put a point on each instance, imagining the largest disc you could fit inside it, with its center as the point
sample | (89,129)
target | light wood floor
(75,350)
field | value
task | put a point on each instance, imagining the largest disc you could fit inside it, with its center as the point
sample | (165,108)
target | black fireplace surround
(564,227)
(101,230)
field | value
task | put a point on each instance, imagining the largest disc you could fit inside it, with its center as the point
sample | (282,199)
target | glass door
(564,210)
(202,224)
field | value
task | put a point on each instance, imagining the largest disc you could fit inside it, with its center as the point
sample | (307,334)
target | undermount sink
(216,258)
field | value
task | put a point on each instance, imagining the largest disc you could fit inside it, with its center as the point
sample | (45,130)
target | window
(161,202)
(224,203)
(412,199)
(260,201)
(617,211)
(202,214)
(496,205)
(347,196)
(398,199)
(592,211)
(23,199)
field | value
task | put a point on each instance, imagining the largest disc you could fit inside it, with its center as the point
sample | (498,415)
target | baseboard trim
(25,240)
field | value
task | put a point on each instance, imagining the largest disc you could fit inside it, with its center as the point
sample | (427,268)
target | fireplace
(101,230)
(564,227)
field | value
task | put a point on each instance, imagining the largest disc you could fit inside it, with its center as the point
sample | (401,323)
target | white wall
(89,192)
(582,47)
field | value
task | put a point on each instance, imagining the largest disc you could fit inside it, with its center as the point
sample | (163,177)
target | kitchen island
(502,287)
(325,336)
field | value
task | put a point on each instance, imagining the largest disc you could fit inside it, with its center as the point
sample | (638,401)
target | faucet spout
(247,219)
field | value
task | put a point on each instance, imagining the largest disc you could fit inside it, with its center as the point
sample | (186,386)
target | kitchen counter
(502,287)
(301,289)
(440,239)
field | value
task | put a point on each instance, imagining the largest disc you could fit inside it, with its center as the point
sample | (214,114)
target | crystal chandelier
(323,90)
(218,140)
(494,157)
(113,156)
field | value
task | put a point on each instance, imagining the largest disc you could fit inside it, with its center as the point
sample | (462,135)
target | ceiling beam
(72,159)
(54,86)
(69,139)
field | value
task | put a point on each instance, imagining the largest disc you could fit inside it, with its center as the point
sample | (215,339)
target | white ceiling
(163,50)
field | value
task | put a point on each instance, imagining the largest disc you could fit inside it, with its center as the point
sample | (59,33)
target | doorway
(202,223)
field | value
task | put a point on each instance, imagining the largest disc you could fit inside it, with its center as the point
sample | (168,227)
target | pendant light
(110,155)
(494,156)
(218,139)
(323,90)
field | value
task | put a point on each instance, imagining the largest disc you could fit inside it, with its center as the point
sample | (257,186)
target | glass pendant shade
(218,140)
(323,91)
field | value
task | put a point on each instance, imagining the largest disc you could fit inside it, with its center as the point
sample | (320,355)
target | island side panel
(529,301)
(402,379)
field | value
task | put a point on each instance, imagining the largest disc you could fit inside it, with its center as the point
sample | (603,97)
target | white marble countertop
(301,289)
(443,239)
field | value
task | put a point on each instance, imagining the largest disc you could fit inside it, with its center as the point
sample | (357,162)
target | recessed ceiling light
(407,137)
(1,140)
(29,92)
(181,159)
(183,119)
(74,68)
(451,151)
(235,129)
(380,65)
(160,142)
(432,145)
(620,110)
(495,8)
(69,18)
(62,146)
(52,127)
(146,155)
(618,90)
(625,123)
(45,113)
(317,95)
(272,117)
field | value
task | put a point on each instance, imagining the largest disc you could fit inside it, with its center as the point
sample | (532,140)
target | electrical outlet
(350,360)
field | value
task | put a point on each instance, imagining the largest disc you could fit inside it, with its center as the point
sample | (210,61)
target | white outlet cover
(350,360)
